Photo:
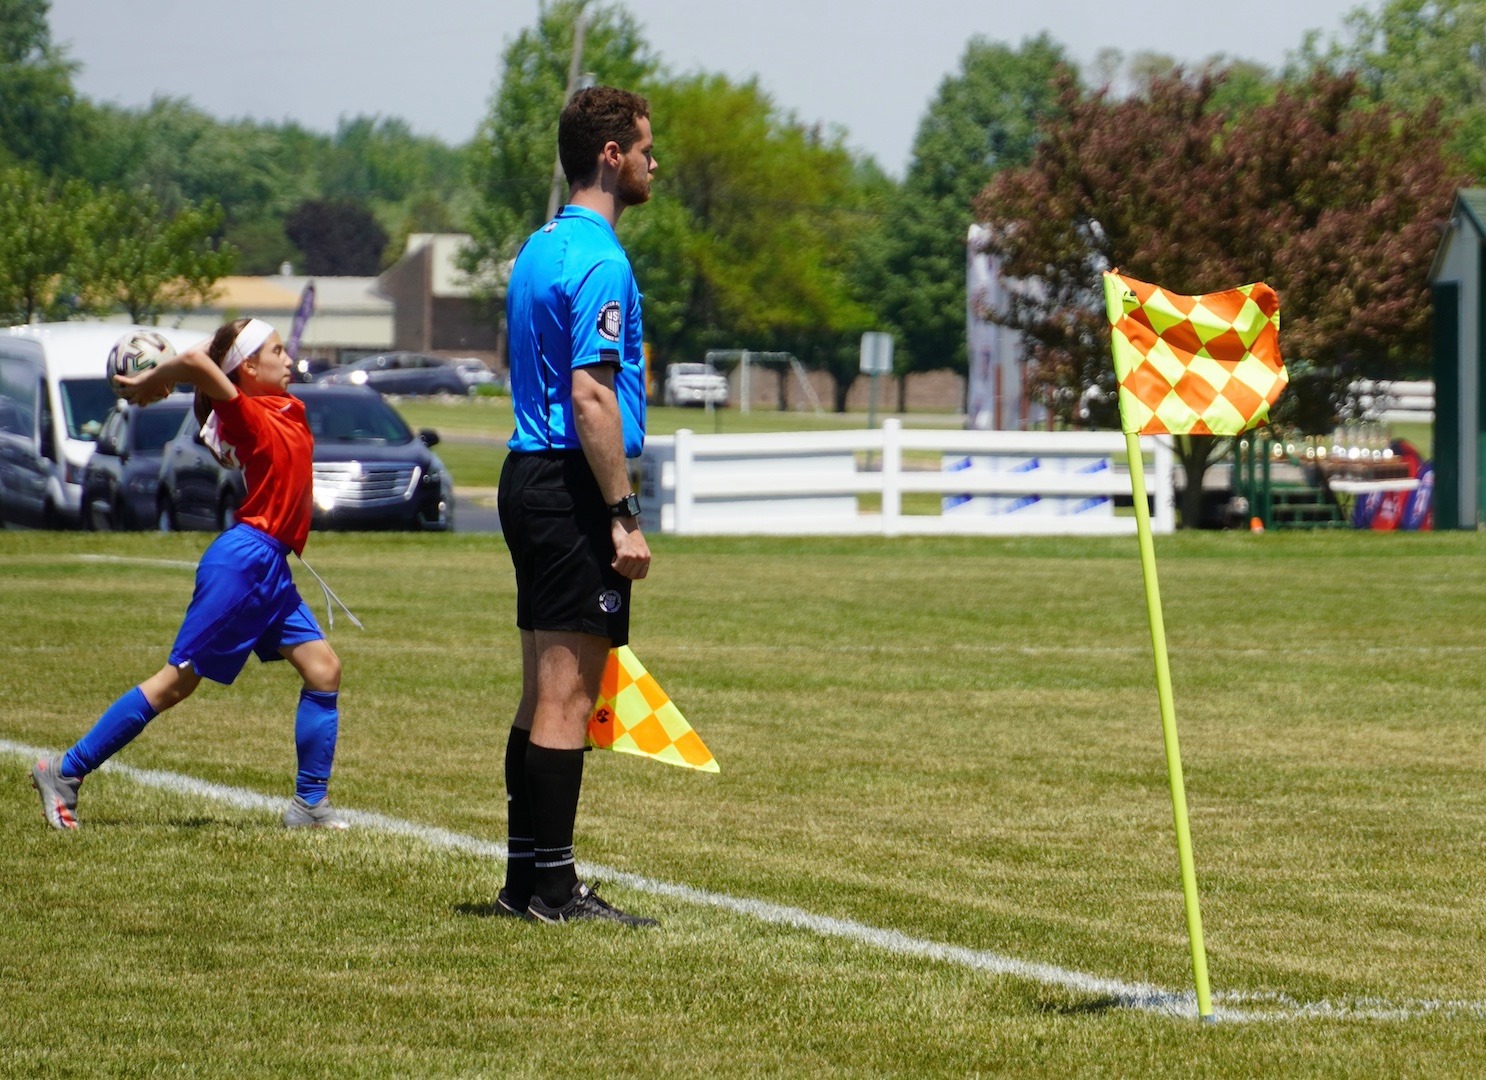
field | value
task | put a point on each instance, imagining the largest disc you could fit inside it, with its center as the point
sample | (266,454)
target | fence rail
(808,483)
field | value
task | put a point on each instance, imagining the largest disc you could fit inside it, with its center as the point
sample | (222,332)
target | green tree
(337,236)
(748,242)
(148,261)
(183,157)
(37,99)
(1409,53)
(1337,206)
(983,119)
(512,155)
(44,232)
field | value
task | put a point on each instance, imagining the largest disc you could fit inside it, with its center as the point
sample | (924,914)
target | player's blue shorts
(245,601)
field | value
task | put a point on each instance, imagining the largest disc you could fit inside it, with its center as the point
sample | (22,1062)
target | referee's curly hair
(592,118)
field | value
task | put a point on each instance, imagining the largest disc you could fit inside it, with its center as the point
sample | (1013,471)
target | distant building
(437,307)
(1458,286)
(351,319)
(997,392)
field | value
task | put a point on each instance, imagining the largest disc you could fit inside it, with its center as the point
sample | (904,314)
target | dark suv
(371,471)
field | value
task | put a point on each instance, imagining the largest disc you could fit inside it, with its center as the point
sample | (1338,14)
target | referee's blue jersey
(572,302)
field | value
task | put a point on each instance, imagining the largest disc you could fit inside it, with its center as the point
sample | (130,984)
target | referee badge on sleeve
(610,320)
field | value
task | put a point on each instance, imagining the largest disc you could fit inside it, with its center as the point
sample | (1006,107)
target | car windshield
(355,419)
(85,405)
(153,428)
(690,369)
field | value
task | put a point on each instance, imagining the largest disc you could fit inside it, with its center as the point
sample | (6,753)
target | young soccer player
(245,600)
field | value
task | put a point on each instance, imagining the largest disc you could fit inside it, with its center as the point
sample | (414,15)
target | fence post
(1164,519)
(685,480)
(892,476)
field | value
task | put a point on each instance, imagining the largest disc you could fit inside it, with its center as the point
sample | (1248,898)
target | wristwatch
(629,506)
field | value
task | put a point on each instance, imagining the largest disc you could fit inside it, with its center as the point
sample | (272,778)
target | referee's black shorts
(558,529)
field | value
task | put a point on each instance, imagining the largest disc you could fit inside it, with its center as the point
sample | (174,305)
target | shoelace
(330,598)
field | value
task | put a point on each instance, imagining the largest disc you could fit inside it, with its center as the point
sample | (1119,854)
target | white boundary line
(121,560)
(1272,1006)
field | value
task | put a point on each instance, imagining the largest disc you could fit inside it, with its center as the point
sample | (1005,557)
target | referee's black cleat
(508,908)
(585,904)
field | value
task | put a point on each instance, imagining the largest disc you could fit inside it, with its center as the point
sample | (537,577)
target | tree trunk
(1195,452)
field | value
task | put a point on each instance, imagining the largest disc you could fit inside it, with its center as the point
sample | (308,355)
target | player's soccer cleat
(301,815)
(58,792)
(585,904)
(508,908)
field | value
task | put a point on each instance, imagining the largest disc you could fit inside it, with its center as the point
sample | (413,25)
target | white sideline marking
(1273,1006)
(122,560)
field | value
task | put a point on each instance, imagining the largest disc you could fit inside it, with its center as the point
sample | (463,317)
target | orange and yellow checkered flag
(635,716)
(1194,365)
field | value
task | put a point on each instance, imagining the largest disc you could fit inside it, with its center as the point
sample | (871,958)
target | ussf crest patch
(610,321)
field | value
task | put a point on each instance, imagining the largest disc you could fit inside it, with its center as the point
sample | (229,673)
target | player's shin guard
(316,725)
(115,729)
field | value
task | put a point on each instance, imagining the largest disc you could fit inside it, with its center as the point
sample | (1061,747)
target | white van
(54,397)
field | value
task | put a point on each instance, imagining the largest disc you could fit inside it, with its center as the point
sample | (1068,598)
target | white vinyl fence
(1005,483)
(1395,402)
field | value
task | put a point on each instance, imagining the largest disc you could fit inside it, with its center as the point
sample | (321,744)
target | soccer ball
(137,351)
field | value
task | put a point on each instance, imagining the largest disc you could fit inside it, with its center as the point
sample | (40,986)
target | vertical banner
(301,318)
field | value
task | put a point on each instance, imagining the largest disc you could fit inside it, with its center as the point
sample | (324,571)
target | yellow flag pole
(1168,724)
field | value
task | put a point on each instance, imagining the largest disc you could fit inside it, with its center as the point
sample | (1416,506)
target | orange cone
(1256,525)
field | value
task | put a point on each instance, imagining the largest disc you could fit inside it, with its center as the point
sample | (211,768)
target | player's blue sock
(115,729)
(316,724)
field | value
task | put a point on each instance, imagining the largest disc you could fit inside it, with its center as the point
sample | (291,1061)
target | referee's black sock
(521,873)
(553,779)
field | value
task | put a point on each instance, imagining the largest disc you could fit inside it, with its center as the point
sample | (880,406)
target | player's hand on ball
(136,390)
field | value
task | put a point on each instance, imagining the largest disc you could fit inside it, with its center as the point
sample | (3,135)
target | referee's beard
(633,185)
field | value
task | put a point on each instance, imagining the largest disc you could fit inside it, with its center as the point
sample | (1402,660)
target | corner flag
(1187,365)
(1194,365)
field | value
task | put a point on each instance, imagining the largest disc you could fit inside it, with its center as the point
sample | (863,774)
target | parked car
(54,397)
(695,384)
(371,471)
(476,374)
(311,368)
(399,373)
(122,476)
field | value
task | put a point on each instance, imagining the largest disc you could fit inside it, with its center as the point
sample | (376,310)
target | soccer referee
(569,516)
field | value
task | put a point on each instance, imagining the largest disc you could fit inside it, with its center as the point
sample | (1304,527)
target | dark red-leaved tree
(1336,203)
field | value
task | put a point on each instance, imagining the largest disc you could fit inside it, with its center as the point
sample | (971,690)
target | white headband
(248,341)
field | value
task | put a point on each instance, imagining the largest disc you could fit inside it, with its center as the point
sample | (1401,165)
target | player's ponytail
(220,345)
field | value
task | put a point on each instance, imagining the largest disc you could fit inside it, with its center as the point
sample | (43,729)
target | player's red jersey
(274,446)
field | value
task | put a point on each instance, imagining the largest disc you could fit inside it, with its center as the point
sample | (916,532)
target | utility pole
(576,81)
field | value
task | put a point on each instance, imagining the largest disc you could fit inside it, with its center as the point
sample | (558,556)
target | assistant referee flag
(1194,365)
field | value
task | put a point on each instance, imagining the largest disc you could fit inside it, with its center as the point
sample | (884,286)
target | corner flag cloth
(635,716)
(1194,365)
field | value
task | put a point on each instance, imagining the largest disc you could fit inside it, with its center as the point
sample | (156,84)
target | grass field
(945,742)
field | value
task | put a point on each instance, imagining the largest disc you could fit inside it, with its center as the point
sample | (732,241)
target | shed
(1458,291)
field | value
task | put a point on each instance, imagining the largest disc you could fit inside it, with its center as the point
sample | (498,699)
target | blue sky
(869,66)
